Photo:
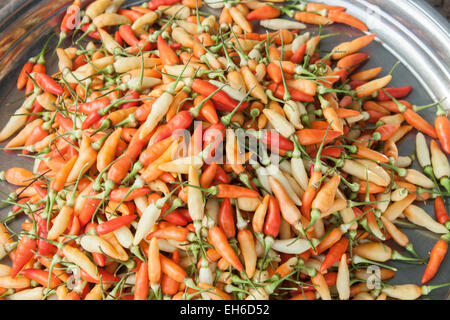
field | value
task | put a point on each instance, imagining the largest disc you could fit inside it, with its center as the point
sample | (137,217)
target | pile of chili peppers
(143,186)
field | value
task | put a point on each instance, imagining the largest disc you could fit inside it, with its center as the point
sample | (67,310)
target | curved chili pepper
(41,277)
(296,95)
(397,93)
(274,139)
(23,254)
(114,224)
(442,126)
(225,219)
(205,88)
(155,4)
(48,84)
(180,121)
(273,218)
(120,193)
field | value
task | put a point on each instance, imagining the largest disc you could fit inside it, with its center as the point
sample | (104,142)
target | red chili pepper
(155,4)
(437,255)
(299,55)
(221,175)
(89,207)
(79,61)
(213,135)
(226,220)
(387,130)
(358,213)
(308,137)
(397,93)
(356,83)
(442,126)
(105,276)
(130,14)
(334,254)
(440,211)
(23,76)
(38,67)
(36,135)
(40,191)
(90,120)
(36,108)
(114,224)
(127,34)
(296,95)
(93,34)
(166,53)
(48,84)
(41,277)
(23,254)
(119,194)
(345,102)
(185,213)
(263,12)
(273,139)
(91,106)
(175,46)
(273,218)
(44,247)
(223,99)
(142,283)
(175,217)
(120,168)
(118,38)
(181,120)
(130,95)
(16,207)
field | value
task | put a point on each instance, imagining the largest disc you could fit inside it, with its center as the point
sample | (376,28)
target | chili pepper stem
(427,289)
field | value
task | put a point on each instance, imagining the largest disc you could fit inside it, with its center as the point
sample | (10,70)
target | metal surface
(409,31)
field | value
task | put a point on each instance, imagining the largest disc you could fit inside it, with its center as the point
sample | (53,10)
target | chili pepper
(114,224)
(44,247)
(23,253)
(274,139)
(397,93)
(208,175)
(334,254)
(130,14)
(226,220)
(23,76)
(344,17)
(263,12)
(121,193)
(316,136)
(273,218)
(181,120)
(440,211)
(296,95)
(155,4)
(223,99)
(41,276)
(219,241)
(48,84)
(437,255)
(311,18)
(141,289)
(87,28)
(289,210)
(442,126)
(166,53)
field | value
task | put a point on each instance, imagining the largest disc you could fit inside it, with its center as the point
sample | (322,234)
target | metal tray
(408,30)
